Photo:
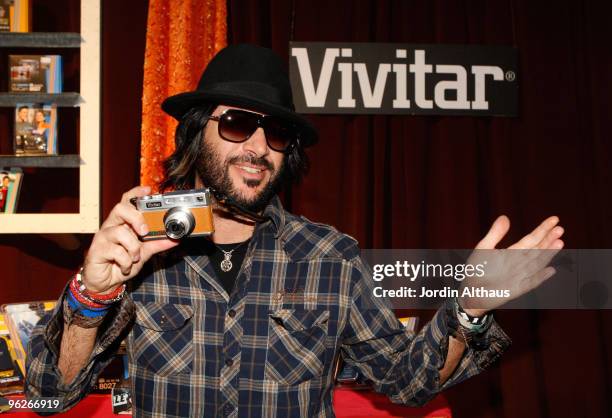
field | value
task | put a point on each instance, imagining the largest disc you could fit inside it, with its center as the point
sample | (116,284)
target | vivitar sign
(376,78)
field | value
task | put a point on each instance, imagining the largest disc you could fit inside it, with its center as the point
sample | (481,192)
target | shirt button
(229,362)
(228,409)
(162,319)
(231,313)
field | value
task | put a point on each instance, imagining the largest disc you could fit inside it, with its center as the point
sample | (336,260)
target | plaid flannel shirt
(303,296)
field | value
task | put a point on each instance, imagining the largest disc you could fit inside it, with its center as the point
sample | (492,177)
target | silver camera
(176,215)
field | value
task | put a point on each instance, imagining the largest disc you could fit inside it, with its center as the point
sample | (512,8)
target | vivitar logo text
(434,79)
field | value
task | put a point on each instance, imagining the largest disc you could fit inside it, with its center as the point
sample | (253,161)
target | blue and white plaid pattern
(302,297)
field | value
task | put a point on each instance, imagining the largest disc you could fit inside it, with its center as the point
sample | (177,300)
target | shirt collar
(277,215)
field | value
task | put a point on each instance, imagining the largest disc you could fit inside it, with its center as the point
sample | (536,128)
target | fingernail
(136,258)
(144,229)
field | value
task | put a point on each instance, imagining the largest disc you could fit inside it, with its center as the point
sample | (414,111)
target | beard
(215,173)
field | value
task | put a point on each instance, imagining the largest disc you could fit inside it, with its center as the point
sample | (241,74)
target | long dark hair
(180,168)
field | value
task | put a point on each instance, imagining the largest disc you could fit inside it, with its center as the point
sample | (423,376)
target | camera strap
(230,203)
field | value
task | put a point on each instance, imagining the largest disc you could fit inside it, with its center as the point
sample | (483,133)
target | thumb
(498,230)
(149,248)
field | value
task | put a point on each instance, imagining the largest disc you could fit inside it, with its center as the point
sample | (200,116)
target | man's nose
(257,144)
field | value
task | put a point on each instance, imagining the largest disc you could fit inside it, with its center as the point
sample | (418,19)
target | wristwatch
(470,329)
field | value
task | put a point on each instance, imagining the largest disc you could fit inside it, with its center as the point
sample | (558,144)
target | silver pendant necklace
(226,264)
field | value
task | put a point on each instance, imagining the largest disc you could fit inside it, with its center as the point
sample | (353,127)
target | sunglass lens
(279,133)
(237,126)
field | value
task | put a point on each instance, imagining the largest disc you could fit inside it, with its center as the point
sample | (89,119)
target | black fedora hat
(246,76)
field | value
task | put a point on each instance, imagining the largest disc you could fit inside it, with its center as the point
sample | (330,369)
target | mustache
(251,159)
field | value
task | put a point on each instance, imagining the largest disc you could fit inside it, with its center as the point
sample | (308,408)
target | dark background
(405,181)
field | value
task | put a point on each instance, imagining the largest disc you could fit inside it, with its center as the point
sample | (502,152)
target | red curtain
(182,36)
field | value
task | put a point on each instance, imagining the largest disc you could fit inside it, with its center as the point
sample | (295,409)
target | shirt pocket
(296,345)
(163,338)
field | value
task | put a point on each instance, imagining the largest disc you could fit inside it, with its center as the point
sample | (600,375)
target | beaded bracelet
(98,298)
(80,297)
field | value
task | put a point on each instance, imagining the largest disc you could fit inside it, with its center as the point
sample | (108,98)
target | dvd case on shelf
(121,395)
(20,15)
(10,185)
(15,15)
(5,15)
(112,376)
(122,399)
(35,129)
(35,73)
(20,319)
(11,378)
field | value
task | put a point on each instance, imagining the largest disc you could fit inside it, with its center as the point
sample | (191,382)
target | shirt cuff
(494,342)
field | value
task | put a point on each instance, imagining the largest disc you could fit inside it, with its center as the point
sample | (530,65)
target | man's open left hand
(520,268)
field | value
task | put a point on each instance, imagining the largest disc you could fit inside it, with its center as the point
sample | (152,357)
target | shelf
(52,223)
(87,220)
(60,99)
(40,40)
(55,161)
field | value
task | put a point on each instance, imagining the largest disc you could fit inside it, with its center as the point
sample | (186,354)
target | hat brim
(177,105)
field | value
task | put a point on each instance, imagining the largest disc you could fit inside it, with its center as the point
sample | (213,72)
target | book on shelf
(15,15)
(35,73)
(35,129)
(10,184)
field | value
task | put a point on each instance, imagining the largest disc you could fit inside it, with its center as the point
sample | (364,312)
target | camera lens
(179,222)
(176,227)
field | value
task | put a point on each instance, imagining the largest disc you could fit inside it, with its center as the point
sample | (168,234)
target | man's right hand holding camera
(116,253)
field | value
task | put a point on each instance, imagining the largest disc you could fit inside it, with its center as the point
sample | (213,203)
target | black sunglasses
(237,125)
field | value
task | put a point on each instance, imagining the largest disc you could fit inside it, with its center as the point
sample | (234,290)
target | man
(250,322)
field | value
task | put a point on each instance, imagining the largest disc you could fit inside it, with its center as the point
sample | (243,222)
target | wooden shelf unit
(87,220)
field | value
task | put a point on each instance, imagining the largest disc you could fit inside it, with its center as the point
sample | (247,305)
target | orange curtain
(182,36)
